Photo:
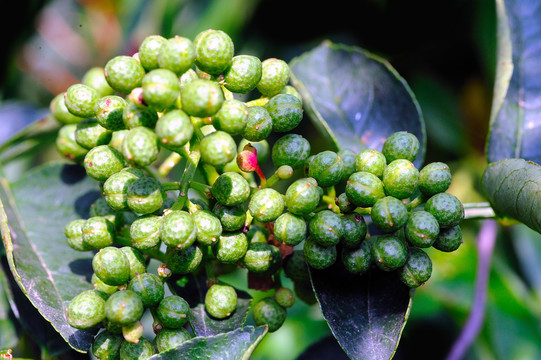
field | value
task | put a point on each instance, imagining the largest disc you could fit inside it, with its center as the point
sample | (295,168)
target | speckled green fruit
(243,74)
(136,260)
(231,189)
(344,203)
(295,267)
(161,88)
(218,148)
(99,285)
(214,51)
(81,100)
(178,229)
(305,292)
(112,266)
(389,252)
(103,161)
(124,73)
(262,259)
(167,339)
(421,229)
(124,307)
(274,76)
(183,261)
(417,269)
(286,112)
(86,310)
(434,178)
(326,228)
(140,146)
(142,350)
(232,218)
(174,129)
(266,205)
(74,235)
(232,117)
(257,233)
(61,113)
(67,146)
(89,134)
(149,287)
(109,111)
(209,227)
(258,125)
(148,51)
(354,230)
(285,297)
(327,168)
(290,229)
(372,161)
(176,54)
(98,232)
(449,239)
(231,247)
(268,312)
(364,189)
(400,178)
(173,311)
(201,98)
(389,214)
(358,260)
(446,208)
(145,195)
(135,115)
(302,196)
(401,145)
(95,78)
(115,188)
(319,256)
(348,158)
(290,149)
(221,301)
(106,345)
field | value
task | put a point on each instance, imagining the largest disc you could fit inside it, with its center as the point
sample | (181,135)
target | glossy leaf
(355,99)
(366,313)
(8,330)
(515,124)
(233,345)
(36,209)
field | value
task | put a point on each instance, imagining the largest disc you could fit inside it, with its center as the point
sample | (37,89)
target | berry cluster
(195,101)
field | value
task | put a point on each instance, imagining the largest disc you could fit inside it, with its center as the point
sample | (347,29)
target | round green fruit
(266,205)
(149,287)
(422,229)
(401,145)
(290,229)
(111,266)
(262,259)
(446,208)
(326,228)
(417,269)
(173,312)
(81,100)
(364,189)
(268,312)
(218,148)
(124,73)
(86,310)
(290,149)
(389,214)
(231,189)
(319,256)
(178,229)
(124,307)
(221,301)
(434,178)
(389,252)
(167,339)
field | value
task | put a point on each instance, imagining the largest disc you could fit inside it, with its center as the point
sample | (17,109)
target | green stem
(331,202)
(170,186)
(482,210)
(363,211)
(168,164)
(415,202)
(258,102)
(211,173)
(192,158)
(192,208)
(201,188)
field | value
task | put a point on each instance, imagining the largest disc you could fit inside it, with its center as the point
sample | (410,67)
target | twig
(485,246)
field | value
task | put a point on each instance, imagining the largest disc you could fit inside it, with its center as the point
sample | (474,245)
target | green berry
(319,256)
(446,208)
(86,310)
(174,129)
(389,214)
(305,292)
(173,312)
(417,269)
(302,196)
(201,98)
(358,260)
(290,149)
(124,307)
(140,146)
(258,125)
(422,229)
(257,233)
(268,312)
(148,51)
(400,178)
(266,205)
(209,227)
(178,229)
(81,100)
(176,54)
(231,189)
(221,301)
(95,78)
(354,230)
(295,267)
(348,158)
(232,117)
(286,112)
(136,260)
(449,239)
(262,259)
(109,112)
(364,189)
(61,113)
(389,252)
(149,287)
(231,247)
(115,188)
(434,178)
(274,77)
(183,261)
(326,228)
(214,51)
(167,339)
(327,168)
(284,297)
(111,266)
(243,74)
(98,232)
(372,161)
(145,195)
(161,88)
(290,229)
(106,345)
(401,145)
(344,203)
(74,235)
(288,89)
(137,115)
(124,73)
(232,218)
(103,161)
(89,134)
(99,285)
(218,148)
(141,350)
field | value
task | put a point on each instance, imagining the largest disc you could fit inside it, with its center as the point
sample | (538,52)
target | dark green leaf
(366,313)
(355,99)
(515,124)
(50,273)
(233,345)
(512,186)
(8,329)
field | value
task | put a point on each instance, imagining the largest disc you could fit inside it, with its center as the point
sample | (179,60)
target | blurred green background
(444,50)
